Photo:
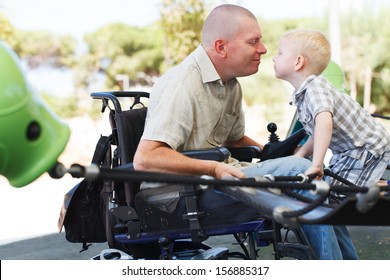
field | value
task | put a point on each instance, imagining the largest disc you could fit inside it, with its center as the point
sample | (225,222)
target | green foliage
(122,49)
(40,48)
(182,22)
(365,43)
(273,29)
(7,31)
(64,107)
(381,90)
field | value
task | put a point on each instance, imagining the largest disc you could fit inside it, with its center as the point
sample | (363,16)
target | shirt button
(220,96)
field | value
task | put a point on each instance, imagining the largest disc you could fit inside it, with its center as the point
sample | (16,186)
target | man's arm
(159,157)
(243,142)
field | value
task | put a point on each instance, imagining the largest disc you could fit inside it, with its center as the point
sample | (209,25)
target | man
(197,105)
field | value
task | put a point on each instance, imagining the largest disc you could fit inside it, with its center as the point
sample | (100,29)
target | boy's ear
(299,62)
(220,47)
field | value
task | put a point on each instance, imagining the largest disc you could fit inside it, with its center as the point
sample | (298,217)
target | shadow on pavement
(372,243)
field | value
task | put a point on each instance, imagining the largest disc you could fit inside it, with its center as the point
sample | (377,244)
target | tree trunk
(352,82)
(367,88)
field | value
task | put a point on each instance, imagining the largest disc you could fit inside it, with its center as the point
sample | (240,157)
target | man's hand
(225,170)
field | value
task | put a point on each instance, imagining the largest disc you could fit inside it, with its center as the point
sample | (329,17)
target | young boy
(360,145)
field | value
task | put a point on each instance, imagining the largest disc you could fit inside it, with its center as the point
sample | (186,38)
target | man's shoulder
(186,70)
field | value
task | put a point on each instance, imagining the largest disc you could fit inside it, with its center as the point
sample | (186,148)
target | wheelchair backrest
(127,128)
(133,127)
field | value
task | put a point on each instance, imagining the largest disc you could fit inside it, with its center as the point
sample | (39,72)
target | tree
(182,22)
(7,31)
(43,48)
(365,56)
(39,48)
(121,49)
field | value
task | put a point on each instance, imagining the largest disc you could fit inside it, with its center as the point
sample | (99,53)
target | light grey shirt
(190,108)
(354,129)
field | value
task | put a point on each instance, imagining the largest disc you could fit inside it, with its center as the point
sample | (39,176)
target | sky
(79,16)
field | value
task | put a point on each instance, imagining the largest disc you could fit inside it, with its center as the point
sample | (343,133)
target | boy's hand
(314,170)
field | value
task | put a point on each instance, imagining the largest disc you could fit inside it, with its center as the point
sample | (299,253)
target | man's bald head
(222,23)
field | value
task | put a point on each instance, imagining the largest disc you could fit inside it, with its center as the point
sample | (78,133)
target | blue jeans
(329,242)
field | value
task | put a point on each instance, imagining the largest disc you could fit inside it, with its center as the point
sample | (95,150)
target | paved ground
(48,247)
(372,243)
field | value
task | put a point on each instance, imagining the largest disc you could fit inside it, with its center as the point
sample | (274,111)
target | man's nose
(262,49)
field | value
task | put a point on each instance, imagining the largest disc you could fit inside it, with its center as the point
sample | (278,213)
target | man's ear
(220,47)
(299,62)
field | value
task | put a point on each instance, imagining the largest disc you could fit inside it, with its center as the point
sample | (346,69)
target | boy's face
(285,59)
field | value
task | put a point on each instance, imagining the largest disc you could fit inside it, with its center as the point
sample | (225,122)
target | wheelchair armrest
(245,153)
(218,154)
(222,153)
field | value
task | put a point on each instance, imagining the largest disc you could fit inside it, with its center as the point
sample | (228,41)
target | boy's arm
(322,137)
(306,150)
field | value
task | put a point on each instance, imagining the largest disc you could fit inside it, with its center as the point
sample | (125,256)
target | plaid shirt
(354,129)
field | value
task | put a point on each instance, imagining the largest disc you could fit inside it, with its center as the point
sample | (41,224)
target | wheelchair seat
(146,232)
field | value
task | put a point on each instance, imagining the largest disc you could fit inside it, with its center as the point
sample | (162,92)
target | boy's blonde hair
(313,45)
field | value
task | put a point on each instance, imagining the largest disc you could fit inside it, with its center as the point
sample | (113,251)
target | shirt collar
(207,69)
(298,94)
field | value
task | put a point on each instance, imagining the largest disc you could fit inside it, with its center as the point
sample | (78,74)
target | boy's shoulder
(318,84)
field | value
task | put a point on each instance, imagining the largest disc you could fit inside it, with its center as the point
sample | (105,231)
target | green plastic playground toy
(335,75)
(31,136)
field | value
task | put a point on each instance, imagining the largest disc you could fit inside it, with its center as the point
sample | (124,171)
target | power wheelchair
(144,232)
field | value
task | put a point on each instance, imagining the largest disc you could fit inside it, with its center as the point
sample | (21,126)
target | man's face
(244,50)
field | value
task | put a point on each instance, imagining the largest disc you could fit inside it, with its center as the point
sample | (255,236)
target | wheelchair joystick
(275,148)
(272,127)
